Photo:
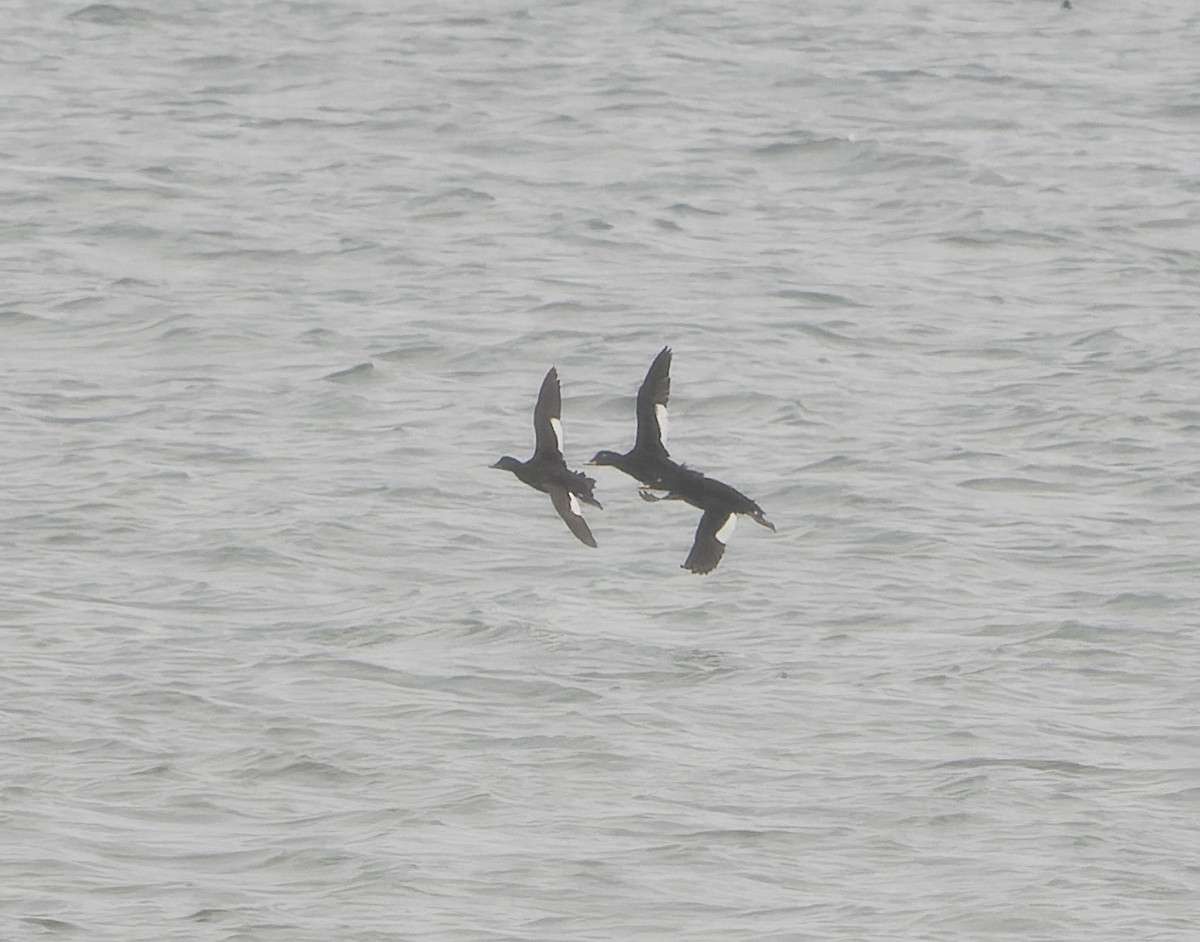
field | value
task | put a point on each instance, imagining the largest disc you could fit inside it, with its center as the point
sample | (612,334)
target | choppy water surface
(282,658)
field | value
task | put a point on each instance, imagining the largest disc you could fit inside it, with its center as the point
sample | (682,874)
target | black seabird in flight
(650,463)
(546,470)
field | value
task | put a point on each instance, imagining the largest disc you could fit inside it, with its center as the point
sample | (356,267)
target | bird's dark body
(687,484)
(543,472)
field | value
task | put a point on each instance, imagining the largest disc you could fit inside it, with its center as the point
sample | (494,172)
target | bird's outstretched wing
(652,406)
(568,508)
(547,417)
(713,532)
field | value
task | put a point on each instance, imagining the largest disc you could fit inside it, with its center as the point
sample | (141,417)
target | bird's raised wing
(547,416)
(652,405)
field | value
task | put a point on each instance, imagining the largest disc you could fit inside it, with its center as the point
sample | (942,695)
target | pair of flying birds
(648,462)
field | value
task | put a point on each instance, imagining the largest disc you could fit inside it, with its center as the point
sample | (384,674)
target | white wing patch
(557,426)
(660,413)
(725,531)
(575,508)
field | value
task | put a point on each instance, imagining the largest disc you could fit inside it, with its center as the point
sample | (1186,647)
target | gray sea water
(281,658)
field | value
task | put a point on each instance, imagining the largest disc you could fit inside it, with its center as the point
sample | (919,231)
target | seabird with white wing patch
(721,505)
(547,471)
(650,463)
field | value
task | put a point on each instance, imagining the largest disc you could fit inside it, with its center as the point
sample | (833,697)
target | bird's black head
(610,458)
(507,464)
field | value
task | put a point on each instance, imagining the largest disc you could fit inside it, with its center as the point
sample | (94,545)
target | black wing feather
(549,406)
(707,550)
(654,391)
(561,498)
